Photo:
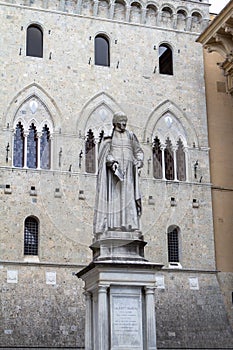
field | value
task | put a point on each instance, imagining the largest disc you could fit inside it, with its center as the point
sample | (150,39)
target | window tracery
(90,152)
(18,148)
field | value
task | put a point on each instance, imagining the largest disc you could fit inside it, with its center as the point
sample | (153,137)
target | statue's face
(120,125)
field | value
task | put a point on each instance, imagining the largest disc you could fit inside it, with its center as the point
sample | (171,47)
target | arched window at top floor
(165,59)
(34,41)
(102,52)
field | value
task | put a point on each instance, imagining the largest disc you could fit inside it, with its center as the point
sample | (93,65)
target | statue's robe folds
(118,201)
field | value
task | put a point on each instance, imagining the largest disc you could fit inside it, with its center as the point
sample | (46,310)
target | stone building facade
(66,68)
(218,45)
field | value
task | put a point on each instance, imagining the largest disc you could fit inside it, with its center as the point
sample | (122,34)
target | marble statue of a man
(118,202)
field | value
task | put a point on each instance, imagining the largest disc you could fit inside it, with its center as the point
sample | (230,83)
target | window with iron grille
(173,245)
(31,228)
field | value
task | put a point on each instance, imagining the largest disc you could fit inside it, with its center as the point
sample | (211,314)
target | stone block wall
(72,92)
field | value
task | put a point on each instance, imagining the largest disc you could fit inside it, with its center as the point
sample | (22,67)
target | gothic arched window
(180,161)
(165,60)
(169,161)
(31,232)
(45,148)
(173,245)
(102,54)
(18,154)
(157,159)
(32,147)
(90,159)
(34,41)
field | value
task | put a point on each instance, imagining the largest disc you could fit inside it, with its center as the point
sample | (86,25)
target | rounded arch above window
(196,16)
(32,218)
(34,41)
(181,14)
(173,227)
(166,11)
(102,50)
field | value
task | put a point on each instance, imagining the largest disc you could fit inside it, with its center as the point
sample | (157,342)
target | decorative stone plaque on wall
(50,277)
(12,276)
(193,283)
(126,319)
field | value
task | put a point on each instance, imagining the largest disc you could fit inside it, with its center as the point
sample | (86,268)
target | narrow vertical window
(31,231)
(45,148)
(157,159)
(102,55)
(34,41)
(32,147)
(18,154)
(90,153)
(173,245)
(180,160)
(169,161)
(165,60)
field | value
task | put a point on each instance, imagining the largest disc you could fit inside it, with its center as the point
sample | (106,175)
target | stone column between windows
(188,23)
(79,7)
(62,5)
(162,147)
(174,149)
(39,134)
(26,133)
(127,13)
(45,4)
(186,163)
(96,155)
(95,8)
(175,20)
(159,18)
(103,337)
(88,321)
(111,11)
(51,139)
(143,16)
(150,318)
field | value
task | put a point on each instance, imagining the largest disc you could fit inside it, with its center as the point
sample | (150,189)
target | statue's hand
(114,166)
(139,164)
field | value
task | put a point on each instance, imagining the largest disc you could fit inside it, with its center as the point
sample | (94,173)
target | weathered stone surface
(73,92)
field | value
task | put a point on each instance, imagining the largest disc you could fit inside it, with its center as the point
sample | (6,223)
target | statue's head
(119,121)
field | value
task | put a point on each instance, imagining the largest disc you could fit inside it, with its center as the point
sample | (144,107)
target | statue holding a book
(118,200)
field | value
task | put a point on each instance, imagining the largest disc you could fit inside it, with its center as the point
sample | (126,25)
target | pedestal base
(119,245)
(120,310)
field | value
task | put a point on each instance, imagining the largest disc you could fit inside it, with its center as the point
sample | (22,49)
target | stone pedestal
(120,311)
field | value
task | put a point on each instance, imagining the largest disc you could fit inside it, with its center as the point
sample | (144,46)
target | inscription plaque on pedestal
(126,320)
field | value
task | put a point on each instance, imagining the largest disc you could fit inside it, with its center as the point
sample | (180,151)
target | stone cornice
(218,37)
